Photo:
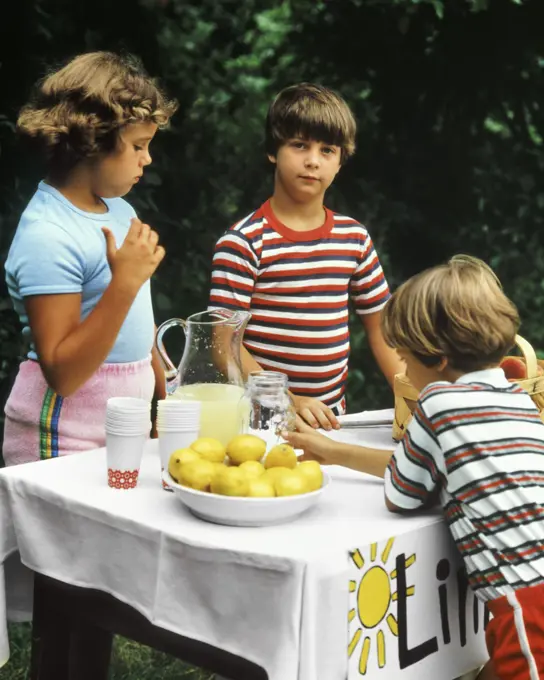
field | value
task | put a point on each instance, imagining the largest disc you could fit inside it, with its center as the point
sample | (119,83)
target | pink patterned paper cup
(123,479)
(124,456)
(165,486)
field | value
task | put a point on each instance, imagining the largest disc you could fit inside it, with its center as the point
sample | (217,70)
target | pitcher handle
(170,371)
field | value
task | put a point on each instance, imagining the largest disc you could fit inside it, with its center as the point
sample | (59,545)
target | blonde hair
(310,111)
(456,310)
(78,111)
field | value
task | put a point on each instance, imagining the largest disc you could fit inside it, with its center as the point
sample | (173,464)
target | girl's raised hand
(138,257)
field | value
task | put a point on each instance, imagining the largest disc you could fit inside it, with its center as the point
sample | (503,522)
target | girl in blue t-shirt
(79,266)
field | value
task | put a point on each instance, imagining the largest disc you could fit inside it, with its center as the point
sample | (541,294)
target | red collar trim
(292,234)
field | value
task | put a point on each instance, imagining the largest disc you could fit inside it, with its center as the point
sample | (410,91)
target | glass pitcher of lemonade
(210,369)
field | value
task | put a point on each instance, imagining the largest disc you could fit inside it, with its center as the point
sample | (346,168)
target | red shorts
(515,634)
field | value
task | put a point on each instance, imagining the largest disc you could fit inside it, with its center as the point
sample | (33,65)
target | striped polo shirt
(297,286)
(479,442)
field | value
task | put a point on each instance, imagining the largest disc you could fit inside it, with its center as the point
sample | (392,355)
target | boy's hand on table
(316,446)
(315,413)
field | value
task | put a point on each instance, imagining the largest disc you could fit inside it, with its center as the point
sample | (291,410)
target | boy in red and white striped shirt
(294,264)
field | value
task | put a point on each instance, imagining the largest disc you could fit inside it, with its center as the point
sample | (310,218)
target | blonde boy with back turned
(294,264)
(475,443)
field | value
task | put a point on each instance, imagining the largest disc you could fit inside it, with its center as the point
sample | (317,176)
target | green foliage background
(447,95)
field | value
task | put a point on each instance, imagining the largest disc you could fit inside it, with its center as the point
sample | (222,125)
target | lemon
(218,469)
(261,488)
(252,469)
(179,458)
(209,449)
(291,484)
(273,474)
(313,473)
(245,447)
(230,482)
(281,455)
(197,475)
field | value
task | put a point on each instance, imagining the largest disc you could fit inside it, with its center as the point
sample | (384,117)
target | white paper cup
(124,456)
(126,404)
(138,426)
(141,421)
(126,418)
(130,416)
(183,417)
(172,441)
(178,404)
(128,432)
(173,415)
(170,426)
(179,408)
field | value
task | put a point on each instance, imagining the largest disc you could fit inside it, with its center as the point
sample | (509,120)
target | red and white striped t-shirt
(480,442)
(297,287)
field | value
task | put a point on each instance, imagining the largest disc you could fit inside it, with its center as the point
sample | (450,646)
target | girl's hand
(315,413)
(137,259)
(316,446)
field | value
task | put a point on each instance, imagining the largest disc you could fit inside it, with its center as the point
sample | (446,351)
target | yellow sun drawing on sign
(374,597)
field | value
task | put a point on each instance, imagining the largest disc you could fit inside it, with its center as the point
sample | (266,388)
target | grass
(130,661)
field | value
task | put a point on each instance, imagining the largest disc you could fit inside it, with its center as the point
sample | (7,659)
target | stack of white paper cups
(178,423)
(128,423)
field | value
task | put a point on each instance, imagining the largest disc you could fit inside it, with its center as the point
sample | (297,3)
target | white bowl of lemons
(241,484)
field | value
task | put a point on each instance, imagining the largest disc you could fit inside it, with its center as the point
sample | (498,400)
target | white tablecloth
(277,596)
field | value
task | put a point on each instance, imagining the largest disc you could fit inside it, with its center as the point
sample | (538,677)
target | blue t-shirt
(59,248)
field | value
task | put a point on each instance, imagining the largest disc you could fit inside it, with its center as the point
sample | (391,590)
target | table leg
(65,647)
(90,652)
(50,640)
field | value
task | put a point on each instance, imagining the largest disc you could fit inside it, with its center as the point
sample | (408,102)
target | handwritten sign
(410,604)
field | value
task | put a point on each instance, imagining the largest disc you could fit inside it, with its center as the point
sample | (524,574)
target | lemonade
(220,415)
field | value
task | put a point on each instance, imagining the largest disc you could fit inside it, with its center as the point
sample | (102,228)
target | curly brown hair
(78,111)
(310,111)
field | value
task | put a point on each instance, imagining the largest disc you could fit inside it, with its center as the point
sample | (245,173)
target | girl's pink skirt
(40,424)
